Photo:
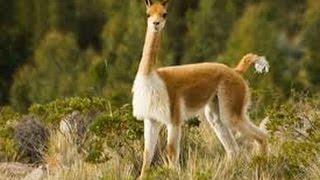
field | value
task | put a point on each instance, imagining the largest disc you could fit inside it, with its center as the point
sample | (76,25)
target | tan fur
(198,83)
(152,39)
(195,87)
(156,9)
(246,62)
(151,47)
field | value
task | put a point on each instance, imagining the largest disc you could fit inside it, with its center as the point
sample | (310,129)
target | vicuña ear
(148,3)
(165,3)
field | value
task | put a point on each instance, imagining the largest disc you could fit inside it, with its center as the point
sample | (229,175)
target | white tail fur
(262,65)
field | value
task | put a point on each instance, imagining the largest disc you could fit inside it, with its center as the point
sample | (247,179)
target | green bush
(294,128)
(52,112)
(112,128)
(116,129)
(8,148)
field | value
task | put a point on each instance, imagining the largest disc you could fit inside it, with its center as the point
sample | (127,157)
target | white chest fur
(150,98)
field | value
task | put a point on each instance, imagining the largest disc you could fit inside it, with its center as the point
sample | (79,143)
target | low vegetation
(113,143)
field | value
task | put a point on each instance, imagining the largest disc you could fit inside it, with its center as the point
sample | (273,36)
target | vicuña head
(156,13)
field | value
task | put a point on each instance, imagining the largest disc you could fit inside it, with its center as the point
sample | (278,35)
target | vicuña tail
(260,63)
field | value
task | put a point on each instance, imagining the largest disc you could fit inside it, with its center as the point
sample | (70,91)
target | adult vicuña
(171,95)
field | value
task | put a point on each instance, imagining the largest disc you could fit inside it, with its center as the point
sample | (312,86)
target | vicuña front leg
(173,144)
(151,134)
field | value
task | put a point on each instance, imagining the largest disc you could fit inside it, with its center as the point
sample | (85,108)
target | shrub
(294,128)
(51,113)
(8,149)
(31,137)
(115,129)
(119,125)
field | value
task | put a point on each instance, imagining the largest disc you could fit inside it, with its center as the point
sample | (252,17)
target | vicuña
(170,95)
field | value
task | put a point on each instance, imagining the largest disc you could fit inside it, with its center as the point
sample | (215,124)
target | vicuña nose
(156,23)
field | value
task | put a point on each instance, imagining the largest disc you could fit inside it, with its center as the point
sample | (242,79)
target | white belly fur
(150,98)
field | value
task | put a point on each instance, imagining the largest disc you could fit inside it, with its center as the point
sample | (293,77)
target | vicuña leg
(221,129)
(233,111)
(173,144)
(151,134)
(247,128)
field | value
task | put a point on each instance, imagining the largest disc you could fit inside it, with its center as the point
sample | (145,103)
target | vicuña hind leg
(246,127)
(222,131)
(233,100)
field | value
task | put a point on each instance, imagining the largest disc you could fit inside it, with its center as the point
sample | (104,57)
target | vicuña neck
(150,51)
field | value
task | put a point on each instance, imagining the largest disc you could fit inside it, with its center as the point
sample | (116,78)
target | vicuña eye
(148,15)
(164,15)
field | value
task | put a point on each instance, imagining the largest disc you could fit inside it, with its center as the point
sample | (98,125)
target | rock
(14,169)
(73,127)
(37,174)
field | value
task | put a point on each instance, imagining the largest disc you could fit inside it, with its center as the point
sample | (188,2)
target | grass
(202,158)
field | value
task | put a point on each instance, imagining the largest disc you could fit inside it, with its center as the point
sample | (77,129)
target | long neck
(150,51)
